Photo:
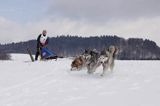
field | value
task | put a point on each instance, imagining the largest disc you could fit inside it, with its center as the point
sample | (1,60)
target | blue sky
(23,11)
(22,20)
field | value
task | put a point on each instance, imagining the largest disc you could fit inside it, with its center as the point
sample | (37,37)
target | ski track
(48,83)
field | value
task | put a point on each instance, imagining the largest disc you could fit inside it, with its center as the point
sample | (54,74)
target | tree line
(67,45)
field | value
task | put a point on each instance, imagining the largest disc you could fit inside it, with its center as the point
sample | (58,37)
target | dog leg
(88,69)
(91,70)
(105,68)
(111,67)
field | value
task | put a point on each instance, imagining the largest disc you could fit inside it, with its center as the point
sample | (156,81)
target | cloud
(9,30)
(104,10)
(126,18)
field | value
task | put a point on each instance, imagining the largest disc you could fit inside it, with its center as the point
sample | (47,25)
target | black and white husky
(105,59)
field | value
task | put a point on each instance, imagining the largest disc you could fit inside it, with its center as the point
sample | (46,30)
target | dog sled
(45,54)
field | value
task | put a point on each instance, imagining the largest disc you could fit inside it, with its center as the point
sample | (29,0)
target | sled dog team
(91,60)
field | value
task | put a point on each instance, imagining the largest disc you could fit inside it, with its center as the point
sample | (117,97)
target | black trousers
(38,52)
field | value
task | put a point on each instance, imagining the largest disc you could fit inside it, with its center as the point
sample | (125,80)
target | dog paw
(89,72)
(102,75)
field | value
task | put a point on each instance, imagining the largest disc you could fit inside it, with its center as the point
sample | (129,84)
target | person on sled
(42,41)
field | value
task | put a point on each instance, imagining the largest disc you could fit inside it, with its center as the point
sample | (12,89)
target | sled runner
(30,54)
(46,54)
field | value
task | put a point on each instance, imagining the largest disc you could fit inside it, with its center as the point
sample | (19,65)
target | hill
(130,49)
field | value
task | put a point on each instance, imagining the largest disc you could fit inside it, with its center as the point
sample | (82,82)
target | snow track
(50,83)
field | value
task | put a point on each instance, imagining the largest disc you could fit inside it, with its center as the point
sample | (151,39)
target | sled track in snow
(25,83)
(17,91)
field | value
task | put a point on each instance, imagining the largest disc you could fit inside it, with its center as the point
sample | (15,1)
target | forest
(67,46)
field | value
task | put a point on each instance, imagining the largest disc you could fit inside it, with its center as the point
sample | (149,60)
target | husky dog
(78,63)
(107,58)
(92,59)
(87,60)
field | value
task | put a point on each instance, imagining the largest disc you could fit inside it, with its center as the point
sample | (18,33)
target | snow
(51,83)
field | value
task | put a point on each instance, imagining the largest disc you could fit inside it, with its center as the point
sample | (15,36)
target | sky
(22,20)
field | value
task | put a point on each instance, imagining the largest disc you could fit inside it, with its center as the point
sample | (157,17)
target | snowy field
(50,83)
